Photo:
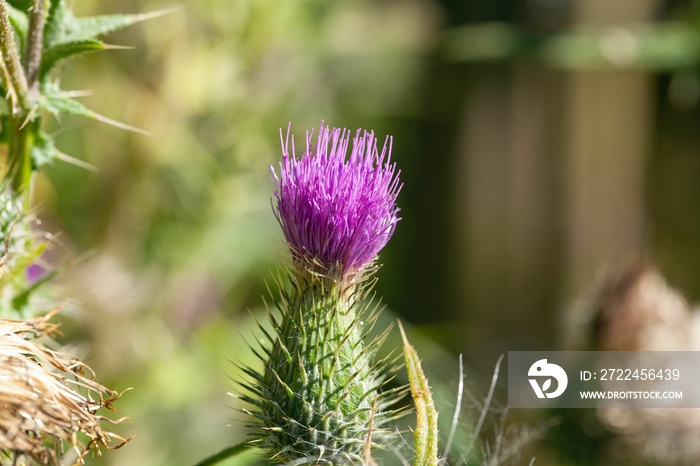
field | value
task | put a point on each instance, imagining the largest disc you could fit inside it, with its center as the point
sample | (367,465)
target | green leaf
(4,122)
(425,435)
(53,100)
(66,36)
(57,102)
(43,151)
(93,27)
(21,299)
(55,19)
(70,49)
(62,27)
(22,5)
(18,269)
(225,454)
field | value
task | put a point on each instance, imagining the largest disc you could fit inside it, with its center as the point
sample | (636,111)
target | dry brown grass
(48,400)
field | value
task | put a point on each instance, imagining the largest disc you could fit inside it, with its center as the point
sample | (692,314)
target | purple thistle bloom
(337,213)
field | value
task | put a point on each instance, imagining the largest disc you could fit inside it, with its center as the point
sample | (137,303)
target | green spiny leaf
(66,36)
(62,27)
(57,16)
(58,102)
(425,435)
(21,300)
(22,5)
(223,455)
(90,28)
(45,152)
(59,52)
(44,149)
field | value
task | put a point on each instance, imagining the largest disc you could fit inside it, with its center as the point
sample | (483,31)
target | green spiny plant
(320,397)
(47,404)
(35,38)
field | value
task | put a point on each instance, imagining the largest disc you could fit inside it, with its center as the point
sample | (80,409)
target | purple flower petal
(337,212)
(35,272)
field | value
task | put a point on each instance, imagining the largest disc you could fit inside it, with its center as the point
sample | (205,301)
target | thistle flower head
(321,397)
(337,212)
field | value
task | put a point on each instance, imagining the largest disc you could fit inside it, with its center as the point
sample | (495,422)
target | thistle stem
(20,143)
(224,454)
(10,56)
(20,127)
(32,57)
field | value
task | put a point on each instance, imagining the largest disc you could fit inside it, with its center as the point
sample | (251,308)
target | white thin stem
(458,408)
(484,411)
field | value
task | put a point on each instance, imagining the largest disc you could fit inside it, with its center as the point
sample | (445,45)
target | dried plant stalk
(47,399)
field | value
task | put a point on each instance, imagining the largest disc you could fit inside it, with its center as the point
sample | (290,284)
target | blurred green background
(540,143)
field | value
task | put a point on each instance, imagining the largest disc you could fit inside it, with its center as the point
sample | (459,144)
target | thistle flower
(337,214)
(319,398)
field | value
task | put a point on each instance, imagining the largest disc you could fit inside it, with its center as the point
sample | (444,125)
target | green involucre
(318,399)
